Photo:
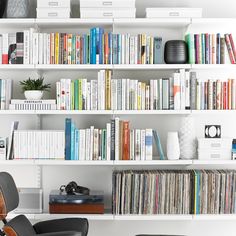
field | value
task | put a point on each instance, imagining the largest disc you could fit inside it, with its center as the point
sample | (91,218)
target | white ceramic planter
(173,149)
(33,94)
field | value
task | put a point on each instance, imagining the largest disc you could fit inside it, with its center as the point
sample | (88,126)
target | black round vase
(3,4)
(176,52)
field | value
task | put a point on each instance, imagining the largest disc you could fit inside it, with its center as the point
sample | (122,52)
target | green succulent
(35,84)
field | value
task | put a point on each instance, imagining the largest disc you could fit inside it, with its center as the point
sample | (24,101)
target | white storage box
(209,154)
(173,12)
(215,143)
(53,13)
(107,13)
(53,3)
(107,3)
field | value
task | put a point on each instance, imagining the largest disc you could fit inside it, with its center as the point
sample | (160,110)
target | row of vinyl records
(181,91)
(116,142)
(96,47)
(210,48)
(174,192)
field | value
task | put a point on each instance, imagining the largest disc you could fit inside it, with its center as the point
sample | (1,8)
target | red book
(232,45)
(229,94)
(106,48)
(225,95)
(126,141)
(229,48)
(65,61)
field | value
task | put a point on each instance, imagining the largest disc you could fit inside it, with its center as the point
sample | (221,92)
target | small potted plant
(33,89)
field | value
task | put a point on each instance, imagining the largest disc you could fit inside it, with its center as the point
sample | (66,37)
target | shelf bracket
(38,122)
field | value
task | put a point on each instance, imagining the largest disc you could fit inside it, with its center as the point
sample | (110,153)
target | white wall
(100,177)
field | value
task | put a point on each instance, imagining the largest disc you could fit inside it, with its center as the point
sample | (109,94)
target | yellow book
(108,90)
(57,38)
(143,48)
(139,96)
(80,95)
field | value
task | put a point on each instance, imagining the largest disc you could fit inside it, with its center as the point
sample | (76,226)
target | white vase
(172,147)
(187,138)
(33,94)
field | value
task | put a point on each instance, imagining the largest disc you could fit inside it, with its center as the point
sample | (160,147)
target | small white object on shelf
(54,3)
(173,12)
(214,148)
(33,94)
(173,149)
(107,4)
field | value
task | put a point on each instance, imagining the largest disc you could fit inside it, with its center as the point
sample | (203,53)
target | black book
(19,48)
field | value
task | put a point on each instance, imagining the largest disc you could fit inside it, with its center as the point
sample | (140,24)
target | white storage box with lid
(217,148)
(107,13)
(53,3)
(107,3)
(173,12)
(53,13)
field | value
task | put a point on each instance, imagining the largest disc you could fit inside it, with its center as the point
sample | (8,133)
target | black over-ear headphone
(72,188)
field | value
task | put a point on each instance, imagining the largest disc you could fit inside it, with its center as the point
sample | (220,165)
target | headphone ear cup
(71,187)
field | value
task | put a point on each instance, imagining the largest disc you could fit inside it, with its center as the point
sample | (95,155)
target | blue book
(76,144)
(157,48)
(72,141)
(100,45)
(114,50)
(158,144)
(218,48)
(119,56)
(68,138)
(93,46)
(110,48)
(203,48)
(207,45)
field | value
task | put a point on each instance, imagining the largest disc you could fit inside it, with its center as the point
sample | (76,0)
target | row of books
(174,192)
(5,93)
(29,144)
(212,94)
(96,47)
(208,48)
(116,142)
(106,93)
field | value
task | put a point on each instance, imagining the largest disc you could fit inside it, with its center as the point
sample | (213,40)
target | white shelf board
(17,162)
(154,163)
(214,217)
(153,217)
(213,66)
(74,112)
(213,112)
(219,163)
(73,67)
(152,112)
(17,67)
(151,67)
(150,22)
(17,22)
(72,163)
(216,21)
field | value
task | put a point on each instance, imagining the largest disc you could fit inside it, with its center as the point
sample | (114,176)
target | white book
(117,138)
(3,94)
(5,44)
(137,144)
(94,95)
(1,45)
(143,96)
(123,48)
(16,146)
(148,145)
(48,46)
(171,88)
(127,49)
(177,105)
(123,94)
(45,48)
(108,142)
(52,141)
(132,149)
(68,94)
(182,89)
(127,94)
(99,91)
(155,95)
(148,50)
(132,50)
(136,50)
(187,90)
(143,136)
(63,94)
(88,96)
(151,94)
(88,145)
(8,92)
(35,48)
(159,94)
(14,127)
(82,143)
(26,47)
(114,94)
(84,94)
(29,145)
(91,142)
(31,45)
(103,88)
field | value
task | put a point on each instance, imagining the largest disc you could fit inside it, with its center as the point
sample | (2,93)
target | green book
(76,94)
(80,95)
(104,146)
(72,105)
(189,38)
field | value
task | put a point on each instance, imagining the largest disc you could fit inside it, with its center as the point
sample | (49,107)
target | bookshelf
(79,170)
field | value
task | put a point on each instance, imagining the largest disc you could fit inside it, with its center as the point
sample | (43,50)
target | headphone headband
(72,188)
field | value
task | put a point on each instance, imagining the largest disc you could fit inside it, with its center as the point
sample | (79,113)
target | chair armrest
(60,225)
(64,233)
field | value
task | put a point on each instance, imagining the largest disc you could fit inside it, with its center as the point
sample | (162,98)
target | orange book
(108,90)
(121,140)
(126,141)
(52,49)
